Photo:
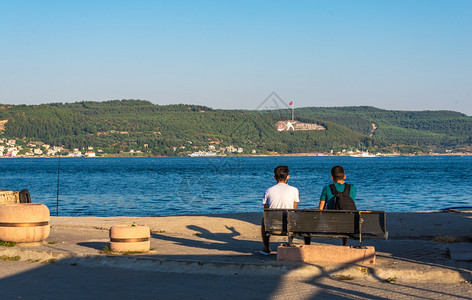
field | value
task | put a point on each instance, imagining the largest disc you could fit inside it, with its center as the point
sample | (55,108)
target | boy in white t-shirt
(280,195)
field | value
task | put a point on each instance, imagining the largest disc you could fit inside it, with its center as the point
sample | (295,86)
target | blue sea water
(205,185)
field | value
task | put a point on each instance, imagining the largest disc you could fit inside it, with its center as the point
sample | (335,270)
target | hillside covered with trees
(120,126)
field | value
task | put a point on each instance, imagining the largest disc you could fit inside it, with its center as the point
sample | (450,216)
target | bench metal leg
(361,242)
(290,240)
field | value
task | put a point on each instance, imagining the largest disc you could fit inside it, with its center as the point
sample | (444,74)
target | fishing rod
(58,176)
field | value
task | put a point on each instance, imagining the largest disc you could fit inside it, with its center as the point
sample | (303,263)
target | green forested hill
(121,125)
(430,128)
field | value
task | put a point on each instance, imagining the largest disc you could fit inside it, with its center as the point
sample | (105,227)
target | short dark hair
(337,172)
(281,173)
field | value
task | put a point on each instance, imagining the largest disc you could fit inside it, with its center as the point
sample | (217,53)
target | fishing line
(58,174)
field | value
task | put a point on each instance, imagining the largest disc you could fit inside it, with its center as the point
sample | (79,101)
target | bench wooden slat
(374,225)
(335,223)
(317,221)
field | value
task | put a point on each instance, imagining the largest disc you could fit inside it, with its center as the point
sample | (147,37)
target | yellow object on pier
(9,197)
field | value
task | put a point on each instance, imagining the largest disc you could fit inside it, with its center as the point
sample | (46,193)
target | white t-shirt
(281,195)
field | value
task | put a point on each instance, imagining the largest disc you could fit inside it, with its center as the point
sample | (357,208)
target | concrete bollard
(24,222)
(127,238)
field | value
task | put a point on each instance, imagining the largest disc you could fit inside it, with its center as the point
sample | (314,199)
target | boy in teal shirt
(327,198)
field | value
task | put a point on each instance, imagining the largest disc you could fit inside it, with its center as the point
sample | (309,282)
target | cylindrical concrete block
(130,238)
(24,222)
(9,197)
(323,253)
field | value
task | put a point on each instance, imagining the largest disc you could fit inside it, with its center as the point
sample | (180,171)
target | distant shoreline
(249,155)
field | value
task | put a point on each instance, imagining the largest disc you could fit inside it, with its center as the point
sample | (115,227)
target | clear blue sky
(406,55)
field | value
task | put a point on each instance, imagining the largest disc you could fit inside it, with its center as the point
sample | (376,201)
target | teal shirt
(327,196)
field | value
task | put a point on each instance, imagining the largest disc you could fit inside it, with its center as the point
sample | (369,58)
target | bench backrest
(371,224)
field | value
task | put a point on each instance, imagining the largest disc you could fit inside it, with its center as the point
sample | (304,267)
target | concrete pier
(323,254)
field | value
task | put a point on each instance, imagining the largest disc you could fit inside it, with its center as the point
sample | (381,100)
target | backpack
(342,201)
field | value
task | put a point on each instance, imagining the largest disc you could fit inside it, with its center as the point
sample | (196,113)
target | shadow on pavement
(94,245)
(68,279)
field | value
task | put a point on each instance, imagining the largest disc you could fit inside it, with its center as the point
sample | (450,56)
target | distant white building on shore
(12,152)
(76,153)
(50,152)
(90,154)
(231,149)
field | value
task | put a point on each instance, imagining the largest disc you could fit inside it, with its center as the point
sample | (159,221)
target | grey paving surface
(461,251)
(208,257)
(21,280)
(420,260)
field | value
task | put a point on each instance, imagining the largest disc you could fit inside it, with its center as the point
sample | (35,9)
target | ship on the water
(364,154)
(202,154)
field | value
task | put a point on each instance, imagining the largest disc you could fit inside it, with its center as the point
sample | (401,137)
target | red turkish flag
(291,103)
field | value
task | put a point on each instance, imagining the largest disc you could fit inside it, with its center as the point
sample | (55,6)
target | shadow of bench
(357,225)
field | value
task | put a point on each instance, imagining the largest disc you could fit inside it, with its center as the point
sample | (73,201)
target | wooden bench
(358,225)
